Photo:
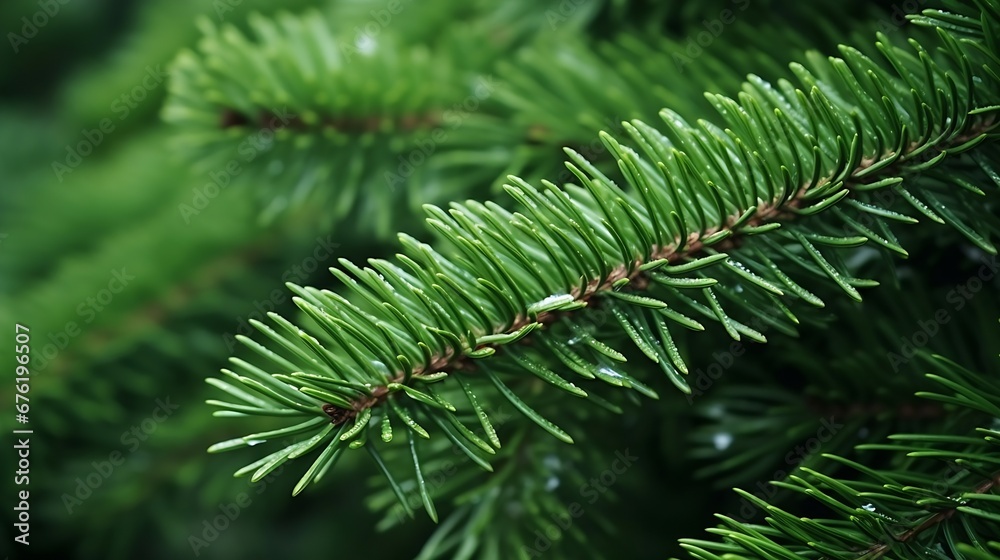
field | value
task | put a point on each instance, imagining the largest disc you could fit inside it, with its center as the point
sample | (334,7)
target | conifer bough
(730,222)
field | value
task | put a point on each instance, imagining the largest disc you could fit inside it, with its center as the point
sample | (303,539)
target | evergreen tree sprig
(723,221)
(937,494)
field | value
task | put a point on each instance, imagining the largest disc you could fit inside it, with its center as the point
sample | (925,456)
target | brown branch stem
(878,550)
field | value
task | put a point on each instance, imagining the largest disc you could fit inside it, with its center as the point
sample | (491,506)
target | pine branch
(635,275)
(762,423)
(330,105)
(903,509)
(940,517)
(307,102)
(708,209)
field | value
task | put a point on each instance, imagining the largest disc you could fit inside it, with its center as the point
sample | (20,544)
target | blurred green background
(132,302)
